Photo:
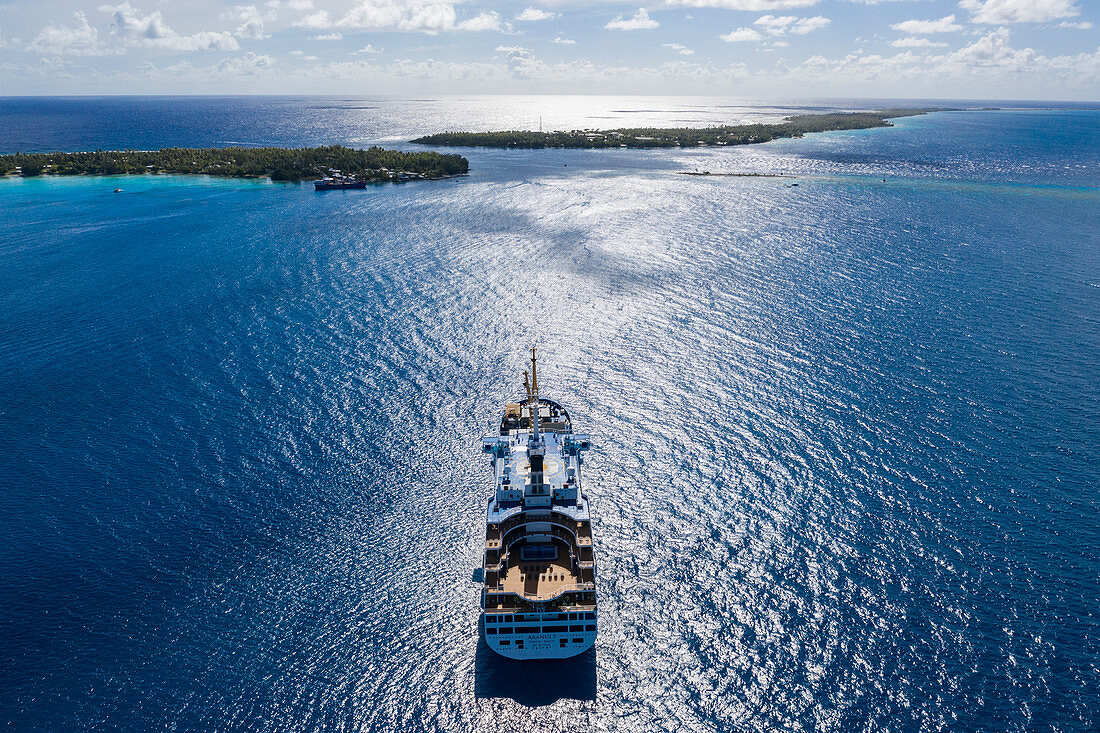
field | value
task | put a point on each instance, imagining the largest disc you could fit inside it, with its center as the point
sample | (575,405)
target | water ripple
(841,474)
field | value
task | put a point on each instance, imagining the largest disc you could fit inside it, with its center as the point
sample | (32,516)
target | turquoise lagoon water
(845,468)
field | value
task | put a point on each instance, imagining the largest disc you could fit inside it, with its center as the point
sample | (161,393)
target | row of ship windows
(511,618)
(536,629)
(519,642)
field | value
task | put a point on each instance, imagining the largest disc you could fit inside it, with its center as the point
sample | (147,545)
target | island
(279,164)
(682,137)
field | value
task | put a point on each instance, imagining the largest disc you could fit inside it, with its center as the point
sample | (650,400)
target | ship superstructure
(539,599)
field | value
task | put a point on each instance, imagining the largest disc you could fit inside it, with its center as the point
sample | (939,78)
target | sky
(934,49)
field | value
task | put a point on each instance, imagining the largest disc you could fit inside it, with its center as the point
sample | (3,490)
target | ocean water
(846,432)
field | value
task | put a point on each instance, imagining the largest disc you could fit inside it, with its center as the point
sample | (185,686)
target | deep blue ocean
(847,433)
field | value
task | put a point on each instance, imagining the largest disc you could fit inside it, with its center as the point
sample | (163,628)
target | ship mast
(533,397)
(534,373)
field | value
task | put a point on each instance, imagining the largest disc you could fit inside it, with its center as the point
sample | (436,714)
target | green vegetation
(650,137)
(281,164)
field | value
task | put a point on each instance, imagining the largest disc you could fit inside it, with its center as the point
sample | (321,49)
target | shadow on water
(534,683)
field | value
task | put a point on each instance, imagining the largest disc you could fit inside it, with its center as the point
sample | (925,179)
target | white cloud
(990,61)
(992,56)
(368,49)
(808,25)
(128,24)
(201,41)
(390,14)
(427,16)
(991,51)
(1084,25)
(79,39)
(946,24)
(1018,11)
(679,48)
(247,65)
(151,31)
(302,5)
(523,67)
(750,5)
(319,19)
(532,14)
(251,21)
(521,63)
(916,42)
(989,65)
(432,17)
(182,67)
(565,41)
(775,25)
(858,68)
(327,37)
(640,22)
(783,24)
(251,68)
(741,35)
(486,20)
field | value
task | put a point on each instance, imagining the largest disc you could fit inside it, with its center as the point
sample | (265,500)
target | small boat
(334,184)
(118,190)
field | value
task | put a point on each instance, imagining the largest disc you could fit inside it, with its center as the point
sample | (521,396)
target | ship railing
(565,530)
(571,587)
(576,587)
(560,591)
(539,515)
(579,606)
(514,604)
(555,532)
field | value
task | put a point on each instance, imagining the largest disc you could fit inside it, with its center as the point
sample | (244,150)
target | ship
(336,182)
(539,595)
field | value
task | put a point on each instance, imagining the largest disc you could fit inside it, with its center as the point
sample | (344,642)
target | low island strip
(675,137)
(279,164)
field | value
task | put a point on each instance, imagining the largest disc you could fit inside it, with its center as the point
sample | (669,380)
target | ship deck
(538,579)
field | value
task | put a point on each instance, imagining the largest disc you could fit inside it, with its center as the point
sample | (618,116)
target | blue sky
(983,49)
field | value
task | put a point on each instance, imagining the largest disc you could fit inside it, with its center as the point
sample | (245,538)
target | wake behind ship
(539,598)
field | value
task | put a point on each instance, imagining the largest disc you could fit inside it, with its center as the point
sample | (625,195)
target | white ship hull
(539,594)
(540,636)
